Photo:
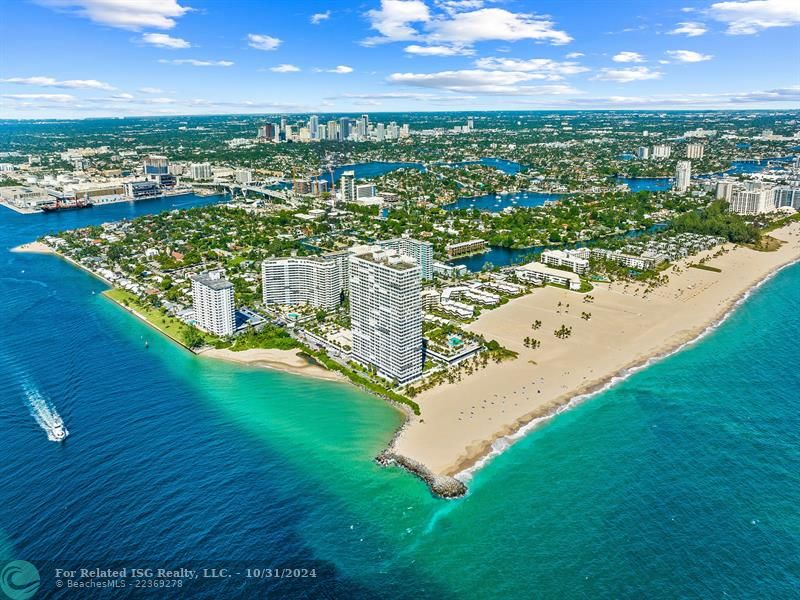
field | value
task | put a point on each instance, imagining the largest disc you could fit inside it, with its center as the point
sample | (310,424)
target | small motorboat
(58,433)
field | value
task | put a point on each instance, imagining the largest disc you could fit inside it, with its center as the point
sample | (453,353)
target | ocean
(681,481)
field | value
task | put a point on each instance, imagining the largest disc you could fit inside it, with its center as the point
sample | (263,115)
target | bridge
(244,188)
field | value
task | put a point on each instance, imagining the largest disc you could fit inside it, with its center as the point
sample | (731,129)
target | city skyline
(175,57)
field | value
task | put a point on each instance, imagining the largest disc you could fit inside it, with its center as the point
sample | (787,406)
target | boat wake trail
(45,415)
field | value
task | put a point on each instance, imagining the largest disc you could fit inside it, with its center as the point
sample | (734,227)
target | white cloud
(544,68)
(496,24)
(480,81)
(262,42)
(454,50)
(688,56)
(420,96)
(790,94)
(318,18)
(151,90)
(340,69)
(197,63)
(45,97)
(574,55)
(92,84)
(689,29)
(162,40)
(285,68)
(453,6)
(744,18)
(704,100)
(394,18)
(124,14)
(458,23)
(628,75)
(628,57)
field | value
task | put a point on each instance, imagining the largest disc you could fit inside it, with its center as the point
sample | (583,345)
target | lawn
(169,326)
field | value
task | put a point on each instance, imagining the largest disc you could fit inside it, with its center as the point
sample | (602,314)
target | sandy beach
(459,422)
(289,361)
(34,248)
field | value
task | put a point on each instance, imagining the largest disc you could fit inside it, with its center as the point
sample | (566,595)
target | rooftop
(213,280)
(541,268)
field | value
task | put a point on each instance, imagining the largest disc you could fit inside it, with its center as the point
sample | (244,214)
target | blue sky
(82,58)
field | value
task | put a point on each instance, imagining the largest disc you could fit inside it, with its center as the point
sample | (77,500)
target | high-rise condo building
(200,171)
(386,313)
(683,175)
(212,297)
(313,127)
(661,151)
(302,280)
(333,130)
(344,128)
(244,176)
(643,153)
(155,165)
(268,132)
(752,200)
(347,186)
(787,195)
(725,189)
(421,252)
(694,150)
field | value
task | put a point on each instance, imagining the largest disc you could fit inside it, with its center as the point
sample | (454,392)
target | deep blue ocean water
(681,482)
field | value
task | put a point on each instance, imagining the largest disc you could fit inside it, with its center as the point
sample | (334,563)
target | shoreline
(473,450)
(33,248)
(583,395)
(287,361)
(448,476)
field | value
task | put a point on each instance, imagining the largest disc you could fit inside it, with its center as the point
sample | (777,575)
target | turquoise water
(682,481)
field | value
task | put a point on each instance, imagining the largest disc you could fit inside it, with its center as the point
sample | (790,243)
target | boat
(58,205)
(58,433)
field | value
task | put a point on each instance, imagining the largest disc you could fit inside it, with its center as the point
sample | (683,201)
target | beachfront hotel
(539,274)
(573,260)
(303,280)
(212,298)
(421,252)
(386,312)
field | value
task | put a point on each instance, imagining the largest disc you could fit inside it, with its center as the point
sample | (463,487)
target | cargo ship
(60,205)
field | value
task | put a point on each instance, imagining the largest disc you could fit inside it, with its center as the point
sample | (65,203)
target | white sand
(282,360)
(460,421)
(34,248)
